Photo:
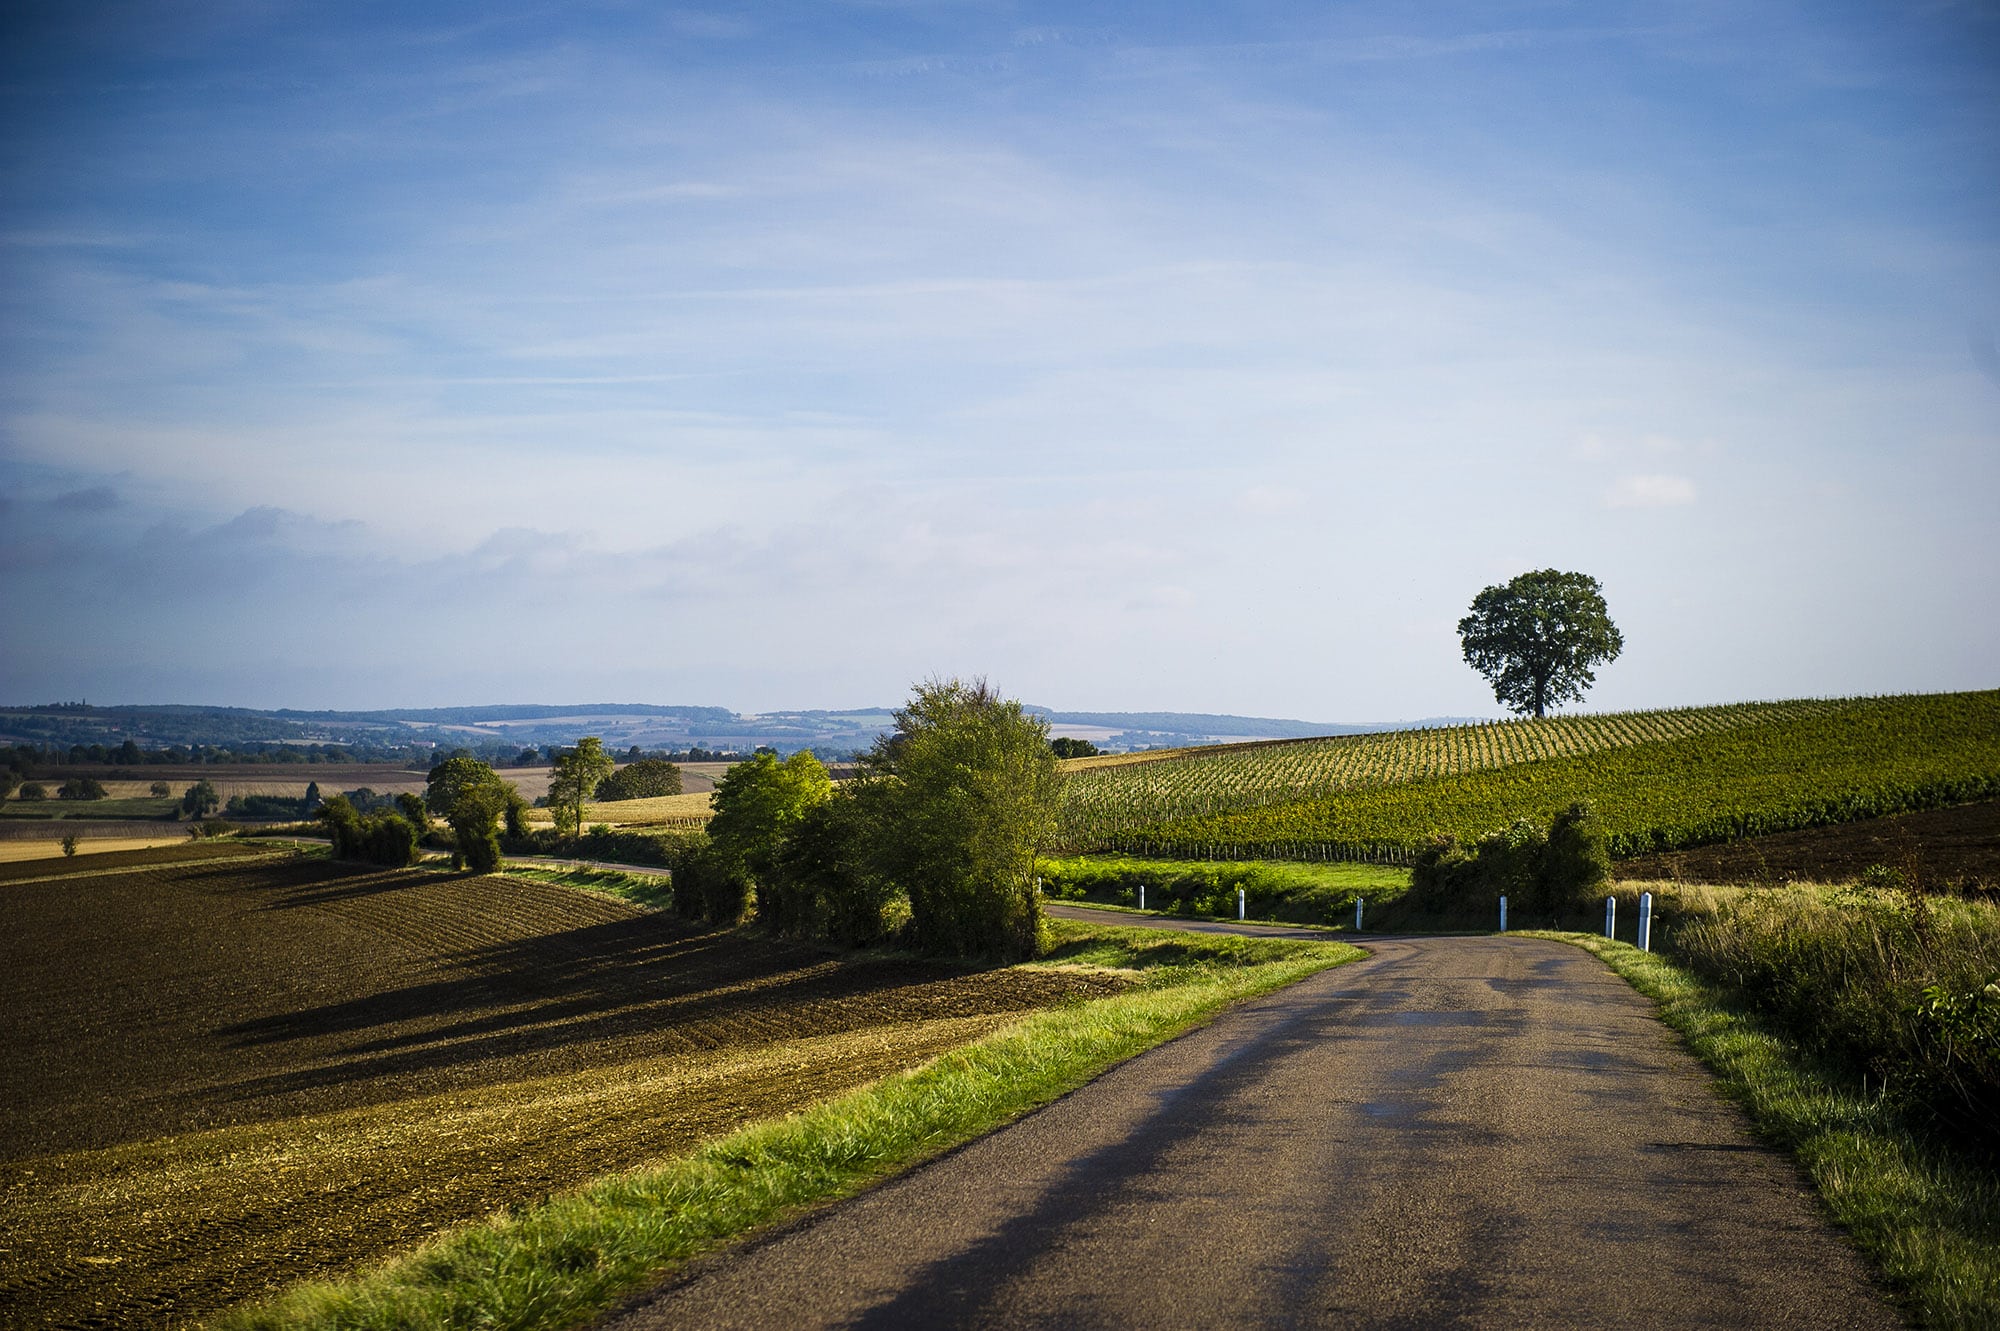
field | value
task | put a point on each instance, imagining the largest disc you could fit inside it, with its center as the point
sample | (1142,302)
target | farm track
(224,1076)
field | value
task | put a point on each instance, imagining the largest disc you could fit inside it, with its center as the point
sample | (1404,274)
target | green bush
(81,788)
(1544,875)
(1897,987)
(377,838)
(824,887)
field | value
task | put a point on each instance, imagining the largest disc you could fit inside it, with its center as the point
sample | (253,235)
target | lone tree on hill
(1537,638)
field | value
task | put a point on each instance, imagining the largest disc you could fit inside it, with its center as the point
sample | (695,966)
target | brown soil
(1946,848)
(223,1076)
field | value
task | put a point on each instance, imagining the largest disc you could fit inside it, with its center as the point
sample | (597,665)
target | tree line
(933,844)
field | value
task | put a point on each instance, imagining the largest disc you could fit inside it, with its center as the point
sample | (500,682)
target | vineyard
(1659,779)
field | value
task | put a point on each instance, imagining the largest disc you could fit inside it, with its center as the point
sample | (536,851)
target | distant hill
(620,725)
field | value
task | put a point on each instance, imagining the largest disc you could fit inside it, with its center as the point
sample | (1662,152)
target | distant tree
(69,844)
(1065,747)
(1537,638)
(967,788)
(128,752)
(9,783)
(412,807)
(81,788)
(33,790)
(201,799)
(313,798)
(645,779)
(161,790)
(577,773)
(527,758)
(634,754)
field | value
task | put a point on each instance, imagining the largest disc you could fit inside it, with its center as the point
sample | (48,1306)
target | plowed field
(1957,847)
(222,1076)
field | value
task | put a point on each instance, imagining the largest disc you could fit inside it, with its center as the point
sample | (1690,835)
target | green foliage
(161,790)
(709,884)
(201,799)
(33,790)
(1828,763)
(574,779)
(472,799)
(1299,893)
(1065,747)
(641,779)
(1894,986)
(1545,875)
(825,885)
(81,788)
(968,793)
(69,844)
(263,806)
(1537,638)
(376,838)
(757,804)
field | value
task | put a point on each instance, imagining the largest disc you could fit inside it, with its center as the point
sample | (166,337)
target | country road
(1473,1132)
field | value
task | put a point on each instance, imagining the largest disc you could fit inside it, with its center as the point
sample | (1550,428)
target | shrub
(32,790)
(81,788)
(377,838)
(823,885)
(1898,988)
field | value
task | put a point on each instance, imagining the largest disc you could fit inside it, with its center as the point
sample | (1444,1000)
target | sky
(1147,356)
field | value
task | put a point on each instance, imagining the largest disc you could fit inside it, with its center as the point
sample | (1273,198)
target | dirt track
(1473,1132)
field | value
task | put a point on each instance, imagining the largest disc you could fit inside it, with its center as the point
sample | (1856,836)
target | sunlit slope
(1659,779)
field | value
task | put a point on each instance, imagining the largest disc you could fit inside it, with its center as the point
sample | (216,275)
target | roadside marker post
(1611,917)
(1503,914)
(1142,896)
(1239,903)
(1645,921)
(1357,914)
(1038,884)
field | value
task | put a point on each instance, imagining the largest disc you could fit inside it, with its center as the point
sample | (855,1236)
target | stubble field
(230,1073)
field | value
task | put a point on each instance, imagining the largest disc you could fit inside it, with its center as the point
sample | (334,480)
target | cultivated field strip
(226,1076)
(1108,801)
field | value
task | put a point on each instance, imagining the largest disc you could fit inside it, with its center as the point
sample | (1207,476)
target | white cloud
(1650,491)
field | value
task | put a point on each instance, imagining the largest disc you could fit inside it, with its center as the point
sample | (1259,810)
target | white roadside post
(1611,917)
(1038,884)
(1357,914)
(1239,903)
(1645,921)
(1503,914)
(1142,896)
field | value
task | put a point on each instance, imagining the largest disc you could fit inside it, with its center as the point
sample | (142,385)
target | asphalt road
(1458,1132)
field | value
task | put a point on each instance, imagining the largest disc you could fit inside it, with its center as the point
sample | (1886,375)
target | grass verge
(1928,1217)
(555,1264)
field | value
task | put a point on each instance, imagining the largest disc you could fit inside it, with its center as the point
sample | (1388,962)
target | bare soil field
(223,1074)
(1958,847)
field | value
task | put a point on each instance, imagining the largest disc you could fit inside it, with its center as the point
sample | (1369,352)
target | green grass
(1276,891)
(651,890)
(556,1264)
(1927,1216)
(138,807)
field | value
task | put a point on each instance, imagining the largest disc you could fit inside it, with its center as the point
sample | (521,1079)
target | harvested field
(1957,847)
(89,843)
(227,1074)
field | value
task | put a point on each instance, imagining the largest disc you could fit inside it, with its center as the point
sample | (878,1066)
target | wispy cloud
(1655,490)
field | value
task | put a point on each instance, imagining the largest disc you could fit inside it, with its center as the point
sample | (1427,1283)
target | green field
(1659,780)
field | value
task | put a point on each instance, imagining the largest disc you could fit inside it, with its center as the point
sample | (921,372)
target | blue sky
(1149,356)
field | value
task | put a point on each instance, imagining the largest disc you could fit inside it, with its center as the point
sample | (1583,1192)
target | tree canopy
(1538,637)
(968,795)
(641,779)
(471,797)
(574,778)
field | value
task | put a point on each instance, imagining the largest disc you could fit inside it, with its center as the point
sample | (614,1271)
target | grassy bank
(554,1264)
(1927,1213)
(1274,890)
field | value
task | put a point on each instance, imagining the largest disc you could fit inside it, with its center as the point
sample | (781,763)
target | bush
(709,884)
(1896,987)
(1544,875)
(377,838)
(32,790)
(263,806)
(81,788)
(823,886)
